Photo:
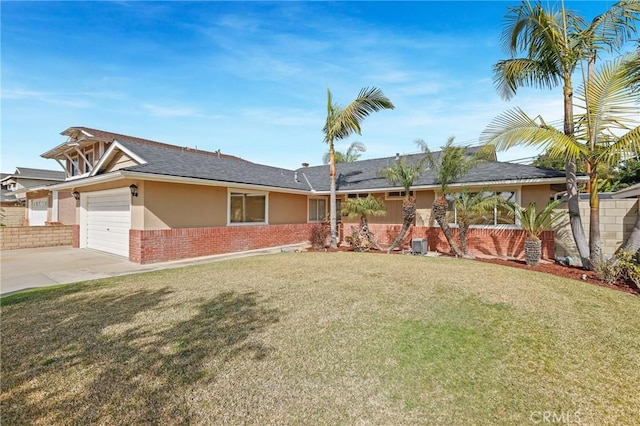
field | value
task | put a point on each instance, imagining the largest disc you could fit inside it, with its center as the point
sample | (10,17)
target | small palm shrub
(623,267)
(319,234)
(534,224)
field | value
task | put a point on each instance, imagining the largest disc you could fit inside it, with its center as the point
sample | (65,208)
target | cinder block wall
(20,237)
(12,216)
(617,218)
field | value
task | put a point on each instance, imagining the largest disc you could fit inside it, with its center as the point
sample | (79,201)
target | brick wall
(173,244)
(21,237)
(480,241)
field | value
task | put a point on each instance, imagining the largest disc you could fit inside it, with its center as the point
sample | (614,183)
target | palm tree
(352,154)
(604,133)
(555,42)
(534,224)
(452,163)
(471,208)
(341,123)
(362,208)
(405,175)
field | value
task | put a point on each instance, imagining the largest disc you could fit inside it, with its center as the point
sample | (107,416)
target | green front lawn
(322,338)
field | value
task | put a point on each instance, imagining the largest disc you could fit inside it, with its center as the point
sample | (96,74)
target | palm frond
(514,127)
(342,122)
(403,173)
(535,223)
(369,206)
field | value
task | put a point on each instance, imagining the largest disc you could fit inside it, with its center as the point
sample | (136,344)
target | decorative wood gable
(115,158)
(88,152)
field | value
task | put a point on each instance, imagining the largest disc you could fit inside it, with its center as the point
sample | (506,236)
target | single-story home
(153,202)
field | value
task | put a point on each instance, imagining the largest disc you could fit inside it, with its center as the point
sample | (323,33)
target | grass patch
(322,338)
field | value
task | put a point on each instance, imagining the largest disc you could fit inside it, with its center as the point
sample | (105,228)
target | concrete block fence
(21,237)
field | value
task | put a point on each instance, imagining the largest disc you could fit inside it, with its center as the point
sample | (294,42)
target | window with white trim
(358,195)
(317,209)
(397,195)
(247,207)
(499,216)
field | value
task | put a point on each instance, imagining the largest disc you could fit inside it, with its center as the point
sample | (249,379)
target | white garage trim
(105,220)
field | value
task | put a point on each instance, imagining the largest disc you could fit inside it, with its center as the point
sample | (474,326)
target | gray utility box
(419,246)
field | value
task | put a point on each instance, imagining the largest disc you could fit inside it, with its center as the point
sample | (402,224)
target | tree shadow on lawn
(65,365)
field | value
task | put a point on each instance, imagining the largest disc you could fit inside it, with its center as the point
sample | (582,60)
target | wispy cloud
(66,99)
(170,111)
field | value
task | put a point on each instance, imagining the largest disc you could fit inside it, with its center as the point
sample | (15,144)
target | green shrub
(623,267)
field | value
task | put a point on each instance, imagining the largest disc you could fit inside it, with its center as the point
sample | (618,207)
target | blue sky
(250,78)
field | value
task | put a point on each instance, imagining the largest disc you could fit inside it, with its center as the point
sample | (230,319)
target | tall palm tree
(404,174)
(555,41)
(473,207)
(362,208)
(341,123)
(604,131)
(352,154)
(451,163)
(534,224)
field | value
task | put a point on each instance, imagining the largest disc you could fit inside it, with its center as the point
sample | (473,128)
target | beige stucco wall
(537,194)
(173,205)
(287,208)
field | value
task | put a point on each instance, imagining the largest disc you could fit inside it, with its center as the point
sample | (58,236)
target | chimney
(305,165)
(397,156)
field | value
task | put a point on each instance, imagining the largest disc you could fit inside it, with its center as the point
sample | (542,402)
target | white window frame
(396,195)
(356,195)
(516,225)
(246,192)
(326,209)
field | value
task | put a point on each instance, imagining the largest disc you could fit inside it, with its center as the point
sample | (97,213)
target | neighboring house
(11,209)
(42,207)
(154,202)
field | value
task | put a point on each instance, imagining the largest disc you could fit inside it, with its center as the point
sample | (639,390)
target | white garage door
(37,212)
(108,221)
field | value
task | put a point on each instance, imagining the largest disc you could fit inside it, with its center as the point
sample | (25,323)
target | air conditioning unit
(419,246)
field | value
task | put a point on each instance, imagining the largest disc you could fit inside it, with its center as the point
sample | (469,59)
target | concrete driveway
(39,267)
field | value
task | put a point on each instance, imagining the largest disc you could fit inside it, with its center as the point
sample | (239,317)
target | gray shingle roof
(193,164)
(43,174)
(363,175)
(171,160)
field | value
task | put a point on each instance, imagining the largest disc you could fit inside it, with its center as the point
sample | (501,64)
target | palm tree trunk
(332,198)
(408,216)
(594,224)
(440,213)
(364,229)
(462,230)
(532,251)
(573,201)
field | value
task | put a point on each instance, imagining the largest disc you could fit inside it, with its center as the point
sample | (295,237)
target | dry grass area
(322,338)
